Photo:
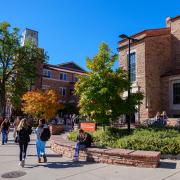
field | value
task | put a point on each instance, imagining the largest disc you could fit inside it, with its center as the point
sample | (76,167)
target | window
(47,73)
(132,67)
(176,93)
(62,91)
(63,76)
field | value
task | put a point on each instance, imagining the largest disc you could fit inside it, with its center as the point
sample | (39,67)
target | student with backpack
(43,135)
(23,138)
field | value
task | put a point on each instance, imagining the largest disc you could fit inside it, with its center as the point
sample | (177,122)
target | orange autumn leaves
(41,104)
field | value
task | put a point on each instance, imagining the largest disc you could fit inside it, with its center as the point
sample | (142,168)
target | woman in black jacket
(23,131)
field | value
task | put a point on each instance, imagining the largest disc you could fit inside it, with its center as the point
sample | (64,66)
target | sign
(88,126)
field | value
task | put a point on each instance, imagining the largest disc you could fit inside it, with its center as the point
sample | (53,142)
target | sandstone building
(155,68)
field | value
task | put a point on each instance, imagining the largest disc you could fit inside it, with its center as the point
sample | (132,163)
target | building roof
(175,18)
(71,66)
(149,33)
(146,33)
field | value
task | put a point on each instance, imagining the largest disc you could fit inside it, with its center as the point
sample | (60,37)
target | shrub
(165,140)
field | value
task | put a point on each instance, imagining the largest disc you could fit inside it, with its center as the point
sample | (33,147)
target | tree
(40,104)
(101,91)
(18,65)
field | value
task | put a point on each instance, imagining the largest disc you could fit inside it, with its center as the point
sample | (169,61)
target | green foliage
(102,89)
(73,135)
(165,140)
(18,65)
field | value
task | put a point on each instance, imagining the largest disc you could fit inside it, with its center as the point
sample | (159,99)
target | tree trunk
(3,100)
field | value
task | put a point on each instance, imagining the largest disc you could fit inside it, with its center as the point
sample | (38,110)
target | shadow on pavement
(48,155)
(167,165)
(57,165)
(70,164)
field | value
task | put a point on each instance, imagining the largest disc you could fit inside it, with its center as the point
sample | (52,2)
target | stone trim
(150,159)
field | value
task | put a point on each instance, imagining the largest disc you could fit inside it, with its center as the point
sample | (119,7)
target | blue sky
(71,30)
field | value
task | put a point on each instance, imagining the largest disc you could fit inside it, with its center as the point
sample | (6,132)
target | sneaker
(20,163)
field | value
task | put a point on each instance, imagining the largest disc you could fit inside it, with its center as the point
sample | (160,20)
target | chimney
(168,22)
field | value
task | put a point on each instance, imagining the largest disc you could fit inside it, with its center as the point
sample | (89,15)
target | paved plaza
(59,168)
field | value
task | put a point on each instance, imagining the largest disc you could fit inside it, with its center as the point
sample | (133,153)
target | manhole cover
(13,174)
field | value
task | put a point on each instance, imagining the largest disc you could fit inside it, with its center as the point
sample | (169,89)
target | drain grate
(13,174)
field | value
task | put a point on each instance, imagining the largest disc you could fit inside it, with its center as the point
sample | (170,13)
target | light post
(130,39)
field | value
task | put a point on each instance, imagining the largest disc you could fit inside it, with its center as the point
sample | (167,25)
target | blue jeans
(78,146)
(4,136)
(40,146)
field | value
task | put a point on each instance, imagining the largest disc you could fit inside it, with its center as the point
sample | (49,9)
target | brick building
(61,78)
(155,68)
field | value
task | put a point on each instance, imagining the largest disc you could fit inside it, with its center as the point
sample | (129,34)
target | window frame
(64,76)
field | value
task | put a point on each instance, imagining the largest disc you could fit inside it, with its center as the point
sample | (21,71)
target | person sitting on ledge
(84,140)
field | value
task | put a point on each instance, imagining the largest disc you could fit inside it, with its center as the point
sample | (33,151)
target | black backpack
(45,135)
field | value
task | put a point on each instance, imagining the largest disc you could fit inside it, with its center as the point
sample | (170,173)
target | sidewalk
(59,168)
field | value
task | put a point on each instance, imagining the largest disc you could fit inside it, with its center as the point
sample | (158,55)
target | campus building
(155,68)
(61,78)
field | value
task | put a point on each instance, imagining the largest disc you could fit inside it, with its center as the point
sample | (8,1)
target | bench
(127,157)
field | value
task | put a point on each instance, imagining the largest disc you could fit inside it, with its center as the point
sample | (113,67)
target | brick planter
(56,129)
(127,157)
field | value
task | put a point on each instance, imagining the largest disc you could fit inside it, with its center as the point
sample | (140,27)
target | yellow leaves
(41,104)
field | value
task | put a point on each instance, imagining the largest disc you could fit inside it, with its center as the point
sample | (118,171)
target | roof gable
(71,66)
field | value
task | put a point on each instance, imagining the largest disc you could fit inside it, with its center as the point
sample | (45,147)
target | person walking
(23,138)
(5,126)
(43,135)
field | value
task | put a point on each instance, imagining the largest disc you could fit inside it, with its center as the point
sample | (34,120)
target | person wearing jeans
(5,130)
(40,144)
(84,140)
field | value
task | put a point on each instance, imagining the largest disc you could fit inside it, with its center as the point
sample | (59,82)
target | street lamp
(130,39)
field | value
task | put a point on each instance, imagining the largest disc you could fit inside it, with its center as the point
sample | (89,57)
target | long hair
(4,121)
(22,124)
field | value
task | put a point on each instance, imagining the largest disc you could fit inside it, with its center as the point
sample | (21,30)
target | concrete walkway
(59,168)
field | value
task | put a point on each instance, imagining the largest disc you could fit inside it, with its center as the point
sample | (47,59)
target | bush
(165,140)
(73,135)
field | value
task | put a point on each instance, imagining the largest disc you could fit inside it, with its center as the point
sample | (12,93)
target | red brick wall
(175,31)
(55,83)
(158,61)
(140,67)
(153,58)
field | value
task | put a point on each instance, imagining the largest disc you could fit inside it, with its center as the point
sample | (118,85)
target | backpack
(45,135)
